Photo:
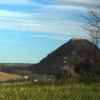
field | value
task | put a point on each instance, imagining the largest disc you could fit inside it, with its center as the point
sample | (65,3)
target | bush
(65,74)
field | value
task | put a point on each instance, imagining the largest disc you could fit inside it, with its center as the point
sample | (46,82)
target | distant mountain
(65,56)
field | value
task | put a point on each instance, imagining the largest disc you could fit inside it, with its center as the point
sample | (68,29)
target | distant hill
(65,56)
(15,64)
(12,67)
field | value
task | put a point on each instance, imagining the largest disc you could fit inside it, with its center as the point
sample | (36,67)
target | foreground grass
(54,90)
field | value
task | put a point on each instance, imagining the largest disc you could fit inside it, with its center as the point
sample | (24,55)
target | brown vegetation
(6,76)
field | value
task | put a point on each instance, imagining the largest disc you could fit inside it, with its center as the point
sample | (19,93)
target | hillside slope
(6,76)
(67,54)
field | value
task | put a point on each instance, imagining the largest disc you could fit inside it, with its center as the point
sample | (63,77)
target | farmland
(6,76)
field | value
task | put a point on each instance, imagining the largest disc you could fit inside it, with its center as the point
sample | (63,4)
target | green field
(52,90)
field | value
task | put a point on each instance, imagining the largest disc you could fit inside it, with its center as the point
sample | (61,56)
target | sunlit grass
(53,90)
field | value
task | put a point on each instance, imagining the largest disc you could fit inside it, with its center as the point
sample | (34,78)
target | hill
(12,67)
(65,56)
(15,64)
(6,76)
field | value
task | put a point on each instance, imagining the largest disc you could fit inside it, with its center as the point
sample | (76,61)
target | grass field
(6,76)
(53,90)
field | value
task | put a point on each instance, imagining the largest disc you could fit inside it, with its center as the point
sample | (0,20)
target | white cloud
(18,2)
(15,59)
(35,23)
(31,59)
(30,2)
(51,27)
(12,14)
(11,59)
(84,1)
(55,37)
(94,2)
(66,7)
(50,21)
(5,15)
(11,41)
(58,37)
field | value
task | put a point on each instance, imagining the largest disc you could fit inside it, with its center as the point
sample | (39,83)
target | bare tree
(93,24)
(93,27)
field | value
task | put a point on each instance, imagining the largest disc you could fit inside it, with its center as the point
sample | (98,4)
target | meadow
(52,90)
(7,76)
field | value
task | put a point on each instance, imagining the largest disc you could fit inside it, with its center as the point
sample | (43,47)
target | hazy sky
(30,29)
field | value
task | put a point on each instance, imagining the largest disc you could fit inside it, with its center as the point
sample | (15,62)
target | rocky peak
(73,39)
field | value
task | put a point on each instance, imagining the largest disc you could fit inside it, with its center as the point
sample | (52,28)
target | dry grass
(6,76)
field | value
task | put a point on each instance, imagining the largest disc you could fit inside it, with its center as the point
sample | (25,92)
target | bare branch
(93,24)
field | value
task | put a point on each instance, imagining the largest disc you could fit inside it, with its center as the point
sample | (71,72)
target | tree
(0,68)
(93,24)
(93,27)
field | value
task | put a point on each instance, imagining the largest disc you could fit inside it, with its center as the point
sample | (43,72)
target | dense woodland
(12,67)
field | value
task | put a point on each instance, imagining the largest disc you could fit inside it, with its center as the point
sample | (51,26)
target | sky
(31,29)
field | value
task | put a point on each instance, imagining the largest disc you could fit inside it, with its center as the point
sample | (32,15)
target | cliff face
(65,56)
